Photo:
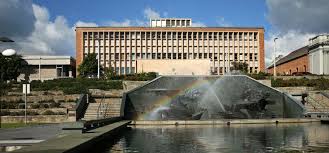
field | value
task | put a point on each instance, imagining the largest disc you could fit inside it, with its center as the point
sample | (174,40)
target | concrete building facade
(175,67)
(296,61)
(47,68)
(319,54)
(122,47)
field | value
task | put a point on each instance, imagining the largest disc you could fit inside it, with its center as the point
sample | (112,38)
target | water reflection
(9,148)
(235,138)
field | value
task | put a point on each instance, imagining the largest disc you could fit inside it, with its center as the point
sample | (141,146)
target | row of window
(172,35)
(214,70)
(235,56)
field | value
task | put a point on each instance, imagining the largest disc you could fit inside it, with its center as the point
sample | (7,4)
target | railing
(101,112)
(81,106)
(318,105)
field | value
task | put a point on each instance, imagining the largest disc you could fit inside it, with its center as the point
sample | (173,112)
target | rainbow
(165,100)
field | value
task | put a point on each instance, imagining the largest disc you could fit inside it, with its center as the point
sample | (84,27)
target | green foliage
(318,84)
(75,86)
(89,65)
(19,113)
(239,66)
(50,112)
(10,67)
(260,75)
(135,77)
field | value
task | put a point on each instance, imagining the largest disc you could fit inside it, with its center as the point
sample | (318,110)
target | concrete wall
(175,67)
(36,119)
(294,90)
(129,85)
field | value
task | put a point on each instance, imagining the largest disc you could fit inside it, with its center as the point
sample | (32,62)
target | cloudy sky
(47,26)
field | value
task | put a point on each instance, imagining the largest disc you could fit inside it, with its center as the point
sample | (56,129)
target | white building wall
(318,54)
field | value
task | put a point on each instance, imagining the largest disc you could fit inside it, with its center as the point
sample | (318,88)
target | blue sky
(46,27)
(209,12)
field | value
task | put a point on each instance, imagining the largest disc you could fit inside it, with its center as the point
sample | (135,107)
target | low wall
(40,110)
(129,85)
(225,121)
(295,90)
(265,82)
(35,119)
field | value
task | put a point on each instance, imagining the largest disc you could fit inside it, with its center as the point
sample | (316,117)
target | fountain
(208,97)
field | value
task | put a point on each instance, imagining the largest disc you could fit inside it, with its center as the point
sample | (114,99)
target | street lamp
(274,70)
(5,39)
(6,53)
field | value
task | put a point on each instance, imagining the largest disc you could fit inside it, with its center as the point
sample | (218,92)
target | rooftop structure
(171,22)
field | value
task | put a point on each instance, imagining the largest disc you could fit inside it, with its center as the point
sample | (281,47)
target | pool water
(254,138)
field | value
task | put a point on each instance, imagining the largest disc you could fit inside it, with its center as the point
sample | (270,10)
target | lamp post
(274,68)
(98,63)
(6,53)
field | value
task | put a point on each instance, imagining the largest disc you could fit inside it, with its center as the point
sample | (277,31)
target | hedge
(75,86)
(318,84)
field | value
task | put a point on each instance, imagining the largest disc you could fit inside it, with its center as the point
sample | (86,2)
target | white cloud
(85,24)
(222,22)
(285,43)
(49,37)
(124,23)
(198,24)
(151,14)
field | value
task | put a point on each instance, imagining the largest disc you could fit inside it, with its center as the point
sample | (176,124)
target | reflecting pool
(306,137)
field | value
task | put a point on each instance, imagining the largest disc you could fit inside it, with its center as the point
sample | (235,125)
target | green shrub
(22,113)
(35,106)
(318,84)
(4,113)
(260,75)
(54,105)
(48,112)
(76,86)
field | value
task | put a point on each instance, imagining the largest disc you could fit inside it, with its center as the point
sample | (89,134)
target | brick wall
(290,67)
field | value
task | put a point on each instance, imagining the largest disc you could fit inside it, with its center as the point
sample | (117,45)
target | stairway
(317,102)
(109,108)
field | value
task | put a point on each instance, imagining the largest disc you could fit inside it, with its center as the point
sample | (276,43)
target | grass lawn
(17,125)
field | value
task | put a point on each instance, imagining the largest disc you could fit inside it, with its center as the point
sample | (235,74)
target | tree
(88,66)
(239,66)
(11,67)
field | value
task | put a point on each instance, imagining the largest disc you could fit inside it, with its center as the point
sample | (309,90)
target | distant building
(319,54)
(124,49)
(296,61)
(313,58)
(48,68)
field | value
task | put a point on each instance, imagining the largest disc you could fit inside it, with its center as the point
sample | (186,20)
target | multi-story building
(125,48)
(319,54)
